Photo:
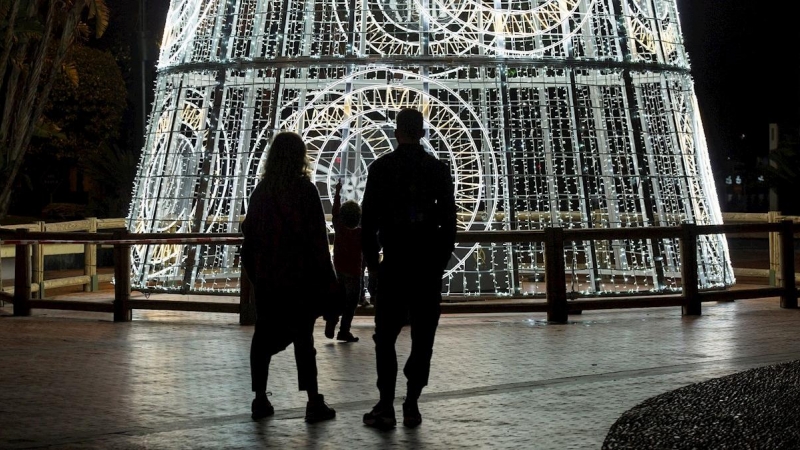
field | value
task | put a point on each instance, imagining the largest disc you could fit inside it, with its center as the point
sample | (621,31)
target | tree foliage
(37,39)
(83,129)
(87,115)
(112,173)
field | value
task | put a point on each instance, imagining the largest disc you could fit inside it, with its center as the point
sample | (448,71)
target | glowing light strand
(571,113)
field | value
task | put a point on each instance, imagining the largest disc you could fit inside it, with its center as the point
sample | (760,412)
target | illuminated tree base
(545,116)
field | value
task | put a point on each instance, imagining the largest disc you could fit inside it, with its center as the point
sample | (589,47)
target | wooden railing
(774,272)
(556,306)
(90,278)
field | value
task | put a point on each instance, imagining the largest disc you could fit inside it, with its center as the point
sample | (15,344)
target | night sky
(746,67)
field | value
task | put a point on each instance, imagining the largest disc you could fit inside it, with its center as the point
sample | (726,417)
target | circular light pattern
(346,131)
(463,27)
(550,138)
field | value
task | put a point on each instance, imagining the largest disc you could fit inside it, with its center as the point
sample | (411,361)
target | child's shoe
(346,336)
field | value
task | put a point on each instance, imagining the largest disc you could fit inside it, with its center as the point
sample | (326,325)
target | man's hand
(338,187)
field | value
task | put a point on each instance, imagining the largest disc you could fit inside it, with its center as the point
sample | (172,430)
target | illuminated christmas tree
(571,113)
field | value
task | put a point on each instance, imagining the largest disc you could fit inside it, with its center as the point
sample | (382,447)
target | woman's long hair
(286,161)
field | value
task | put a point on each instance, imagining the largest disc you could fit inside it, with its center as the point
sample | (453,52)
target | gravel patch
(755,409)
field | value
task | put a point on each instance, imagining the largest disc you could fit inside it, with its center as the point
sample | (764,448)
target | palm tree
(37,36)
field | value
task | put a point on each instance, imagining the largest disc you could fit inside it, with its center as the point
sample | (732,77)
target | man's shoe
(381,417)
(317,410)
(330,327)
(346,336)
(261,407)
(411,416)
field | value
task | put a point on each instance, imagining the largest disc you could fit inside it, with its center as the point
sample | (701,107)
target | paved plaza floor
(172,380)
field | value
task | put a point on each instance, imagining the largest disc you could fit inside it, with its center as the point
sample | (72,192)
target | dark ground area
(758,408)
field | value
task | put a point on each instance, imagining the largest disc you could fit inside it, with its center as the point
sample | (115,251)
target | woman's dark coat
(285,251)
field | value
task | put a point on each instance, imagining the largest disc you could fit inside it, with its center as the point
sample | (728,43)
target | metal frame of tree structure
(570,113)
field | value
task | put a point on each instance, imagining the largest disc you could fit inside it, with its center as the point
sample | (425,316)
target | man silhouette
(409,211)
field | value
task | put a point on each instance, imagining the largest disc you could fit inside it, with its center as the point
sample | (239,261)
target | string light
(569,113)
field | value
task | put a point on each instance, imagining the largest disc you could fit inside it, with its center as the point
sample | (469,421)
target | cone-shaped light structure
(571,113)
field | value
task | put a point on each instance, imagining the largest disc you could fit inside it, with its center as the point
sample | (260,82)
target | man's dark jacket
(409,210)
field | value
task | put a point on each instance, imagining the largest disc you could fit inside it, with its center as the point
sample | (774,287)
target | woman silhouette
(287,258)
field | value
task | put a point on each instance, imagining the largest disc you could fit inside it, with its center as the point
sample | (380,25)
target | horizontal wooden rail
(740,294)
(117,238)
(519,236)
(739,228)
(181,305)
(754,273)
(67,281)
(490,307)
(625,303)
(73,305)
(557,306)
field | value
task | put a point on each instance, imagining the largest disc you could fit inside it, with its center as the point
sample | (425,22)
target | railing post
(122,279)
(774,250)
(90,258)
(22,277)
(789,296)
(1,271)
(37,263)
(247,305)
(555,275)
(691,299)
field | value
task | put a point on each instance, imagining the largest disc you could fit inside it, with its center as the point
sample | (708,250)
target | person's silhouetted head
(286,160)
(409,128)
(350,213)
